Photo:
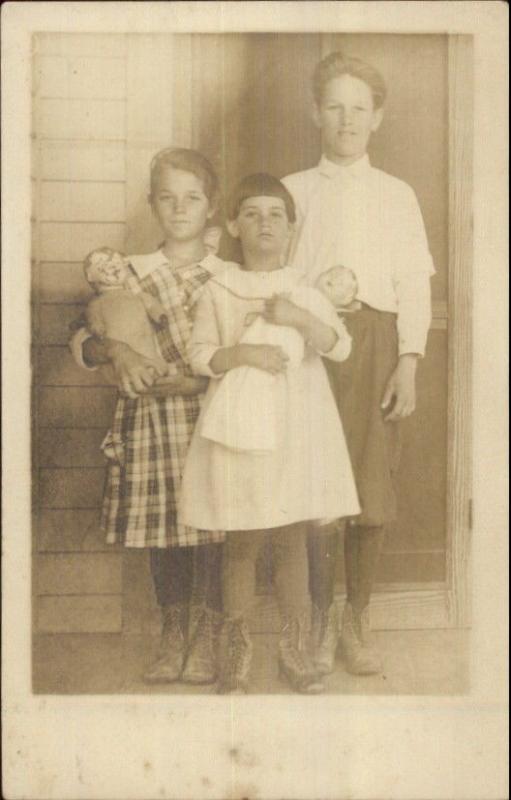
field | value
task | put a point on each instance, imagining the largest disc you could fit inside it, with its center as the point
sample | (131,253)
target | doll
(119,313)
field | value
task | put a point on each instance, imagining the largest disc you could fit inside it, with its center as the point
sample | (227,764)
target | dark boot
(294,661)
(201,663)
(235,656)
(324,638)
(169,664)
(360,658)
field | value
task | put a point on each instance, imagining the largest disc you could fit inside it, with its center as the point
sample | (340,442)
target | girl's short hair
(337,64)
(188,161)
(261,184)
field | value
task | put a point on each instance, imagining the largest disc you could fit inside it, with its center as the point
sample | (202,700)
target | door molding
(459,396)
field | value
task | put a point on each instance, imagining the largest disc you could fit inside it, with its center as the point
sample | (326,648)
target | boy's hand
(267,357)
(401,388)
(280,310)
(133,372)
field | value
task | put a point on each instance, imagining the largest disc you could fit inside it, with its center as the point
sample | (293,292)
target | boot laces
(171,627)
(203,635)
(237,649)
(292,649)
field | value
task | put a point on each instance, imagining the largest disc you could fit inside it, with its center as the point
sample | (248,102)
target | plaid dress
(148,442)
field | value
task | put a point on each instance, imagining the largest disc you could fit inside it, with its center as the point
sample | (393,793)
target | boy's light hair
(337,64)
(188,161)
(260,184)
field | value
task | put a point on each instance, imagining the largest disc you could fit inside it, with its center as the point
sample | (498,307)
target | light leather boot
(324,638)
(294,661)
(201,663)
(360,658)
(235,657)
(171,655)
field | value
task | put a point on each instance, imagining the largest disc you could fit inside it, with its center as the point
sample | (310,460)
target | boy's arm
(412,272)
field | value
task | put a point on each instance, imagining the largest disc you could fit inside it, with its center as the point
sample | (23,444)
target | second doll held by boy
(250,423)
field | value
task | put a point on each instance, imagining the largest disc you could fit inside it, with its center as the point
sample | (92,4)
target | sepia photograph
(262,491)
(251,390)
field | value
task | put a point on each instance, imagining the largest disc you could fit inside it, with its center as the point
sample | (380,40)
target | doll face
(339,285)
(106,268)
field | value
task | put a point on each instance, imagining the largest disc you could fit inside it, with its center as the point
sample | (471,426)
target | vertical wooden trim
(35,172)
(459,409)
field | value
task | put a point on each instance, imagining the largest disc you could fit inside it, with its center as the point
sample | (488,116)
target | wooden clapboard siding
(54,320)
(71,241)
(70,487)
(57,368)
(70,531)
(79,173)
(75,407)
(60,282)
(82,161)
(82,119)
(73,45)
(70,447)
(95,202)
(79,614)
(78,573)
(89,77)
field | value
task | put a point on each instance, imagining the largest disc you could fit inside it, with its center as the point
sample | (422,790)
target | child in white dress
(307,476)
(256,390)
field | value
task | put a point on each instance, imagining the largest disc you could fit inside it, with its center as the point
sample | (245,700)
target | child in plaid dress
(155,417)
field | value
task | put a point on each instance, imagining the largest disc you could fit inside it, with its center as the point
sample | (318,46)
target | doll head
(339,285)
(105,269)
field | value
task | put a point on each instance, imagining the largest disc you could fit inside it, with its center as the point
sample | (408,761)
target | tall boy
(351,213)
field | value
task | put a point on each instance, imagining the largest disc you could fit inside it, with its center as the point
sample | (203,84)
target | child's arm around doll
(313,312)
(122,334)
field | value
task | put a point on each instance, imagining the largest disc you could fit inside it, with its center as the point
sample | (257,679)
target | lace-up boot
(235,656)
(169,664)
(360,658)
(324,638)
(294,662)
(201,663)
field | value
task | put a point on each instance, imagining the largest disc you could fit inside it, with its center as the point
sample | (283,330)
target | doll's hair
(261,184)
(336,64)
(188,161)
(88,262)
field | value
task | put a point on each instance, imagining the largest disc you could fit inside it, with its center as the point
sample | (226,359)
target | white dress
(256,390)
(307,474)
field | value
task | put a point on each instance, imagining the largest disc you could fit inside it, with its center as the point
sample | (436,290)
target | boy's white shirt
(142,265)
(370,222)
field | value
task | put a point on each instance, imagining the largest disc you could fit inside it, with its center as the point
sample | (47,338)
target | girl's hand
(401,389)
(133,372)
(280,310)
(267,357)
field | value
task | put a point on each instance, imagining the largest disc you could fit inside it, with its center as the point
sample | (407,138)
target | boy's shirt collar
(358,170)
(144,264)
